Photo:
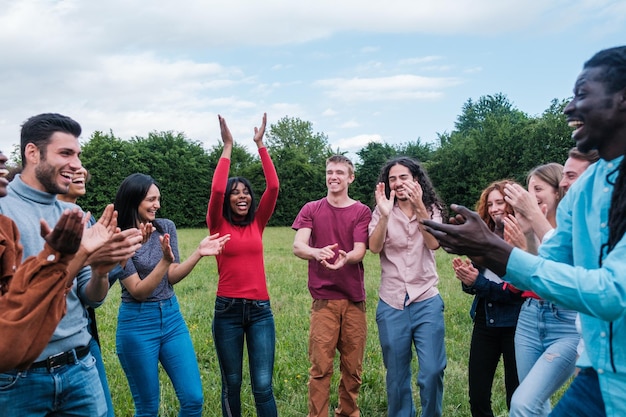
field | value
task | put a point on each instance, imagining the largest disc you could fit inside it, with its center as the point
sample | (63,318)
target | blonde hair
(550,173)
(341,159)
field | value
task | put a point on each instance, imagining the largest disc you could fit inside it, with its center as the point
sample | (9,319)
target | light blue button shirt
(568,272)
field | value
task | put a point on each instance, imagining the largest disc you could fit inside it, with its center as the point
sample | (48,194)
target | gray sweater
(26,205)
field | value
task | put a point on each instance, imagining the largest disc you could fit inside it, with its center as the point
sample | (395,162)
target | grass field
(287,281)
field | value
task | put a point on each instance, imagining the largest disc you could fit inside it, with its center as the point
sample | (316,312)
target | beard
(46,174)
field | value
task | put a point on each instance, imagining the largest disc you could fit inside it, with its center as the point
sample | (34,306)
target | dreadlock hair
(429,195)
(483,209)
(612,62)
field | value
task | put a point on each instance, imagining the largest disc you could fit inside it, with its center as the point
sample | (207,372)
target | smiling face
(338,177)
(51,169)
(3,173)
(572,169)
(595,114)
(77,187)
(240,200)
(544,193)
(496,206)
(398,176)
(149,205)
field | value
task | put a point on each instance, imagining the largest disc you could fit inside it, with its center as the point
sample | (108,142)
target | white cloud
(135,67)
(354,143)
(398,87)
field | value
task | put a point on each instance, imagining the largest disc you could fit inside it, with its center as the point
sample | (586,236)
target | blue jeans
(420,324)
(68,390)
(153,332)
(545,350)
(94,348)
(583,398)
(237,319)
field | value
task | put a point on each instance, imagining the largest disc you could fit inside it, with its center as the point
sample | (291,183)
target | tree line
(491,140)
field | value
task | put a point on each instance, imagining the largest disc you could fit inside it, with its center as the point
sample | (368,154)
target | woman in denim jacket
(495,309)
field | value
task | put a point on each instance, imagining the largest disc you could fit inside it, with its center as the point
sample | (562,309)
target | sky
(359,71)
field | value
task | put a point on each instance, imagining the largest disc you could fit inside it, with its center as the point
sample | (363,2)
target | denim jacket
(502,301)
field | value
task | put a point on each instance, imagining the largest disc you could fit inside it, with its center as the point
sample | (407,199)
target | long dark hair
(612,62)
(227,212)
(429,196)
(129,195)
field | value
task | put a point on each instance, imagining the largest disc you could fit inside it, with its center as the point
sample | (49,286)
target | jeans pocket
(7,381)
(564,315)
(262,304)
(87,362)
(223,304)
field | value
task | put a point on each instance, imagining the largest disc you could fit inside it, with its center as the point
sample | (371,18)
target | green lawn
(287,281)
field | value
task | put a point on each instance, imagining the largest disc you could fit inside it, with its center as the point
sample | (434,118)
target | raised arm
(267,203)
(382,211)
(220,178)
(227,138)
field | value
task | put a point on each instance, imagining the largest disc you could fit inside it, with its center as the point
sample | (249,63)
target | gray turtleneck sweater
(25,206)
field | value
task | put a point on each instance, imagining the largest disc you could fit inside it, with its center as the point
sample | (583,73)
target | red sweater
(241,266)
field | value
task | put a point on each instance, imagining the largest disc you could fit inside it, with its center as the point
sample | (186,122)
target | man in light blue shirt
(583,265)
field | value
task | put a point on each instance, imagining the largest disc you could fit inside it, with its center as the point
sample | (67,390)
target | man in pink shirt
(332,236)
(410,309)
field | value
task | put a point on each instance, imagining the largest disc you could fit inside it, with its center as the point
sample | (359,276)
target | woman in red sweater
(242,306)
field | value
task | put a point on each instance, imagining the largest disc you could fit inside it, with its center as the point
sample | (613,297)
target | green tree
(179,166)
(300,157)
(372,158)
(485,146)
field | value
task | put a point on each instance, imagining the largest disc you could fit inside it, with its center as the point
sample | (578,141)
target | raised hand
(260,132)
(521,200)
(67,233)
(513,232)
(146,230)
(227,137)
(97,235)
(385,205)
(168,254)
(414,193)
(120,246)
(212,245)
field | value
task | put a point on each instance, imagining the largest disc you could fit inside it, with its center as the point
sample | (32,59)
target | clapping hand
(384,204)
(260,132)
(67,233)
(213,245)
